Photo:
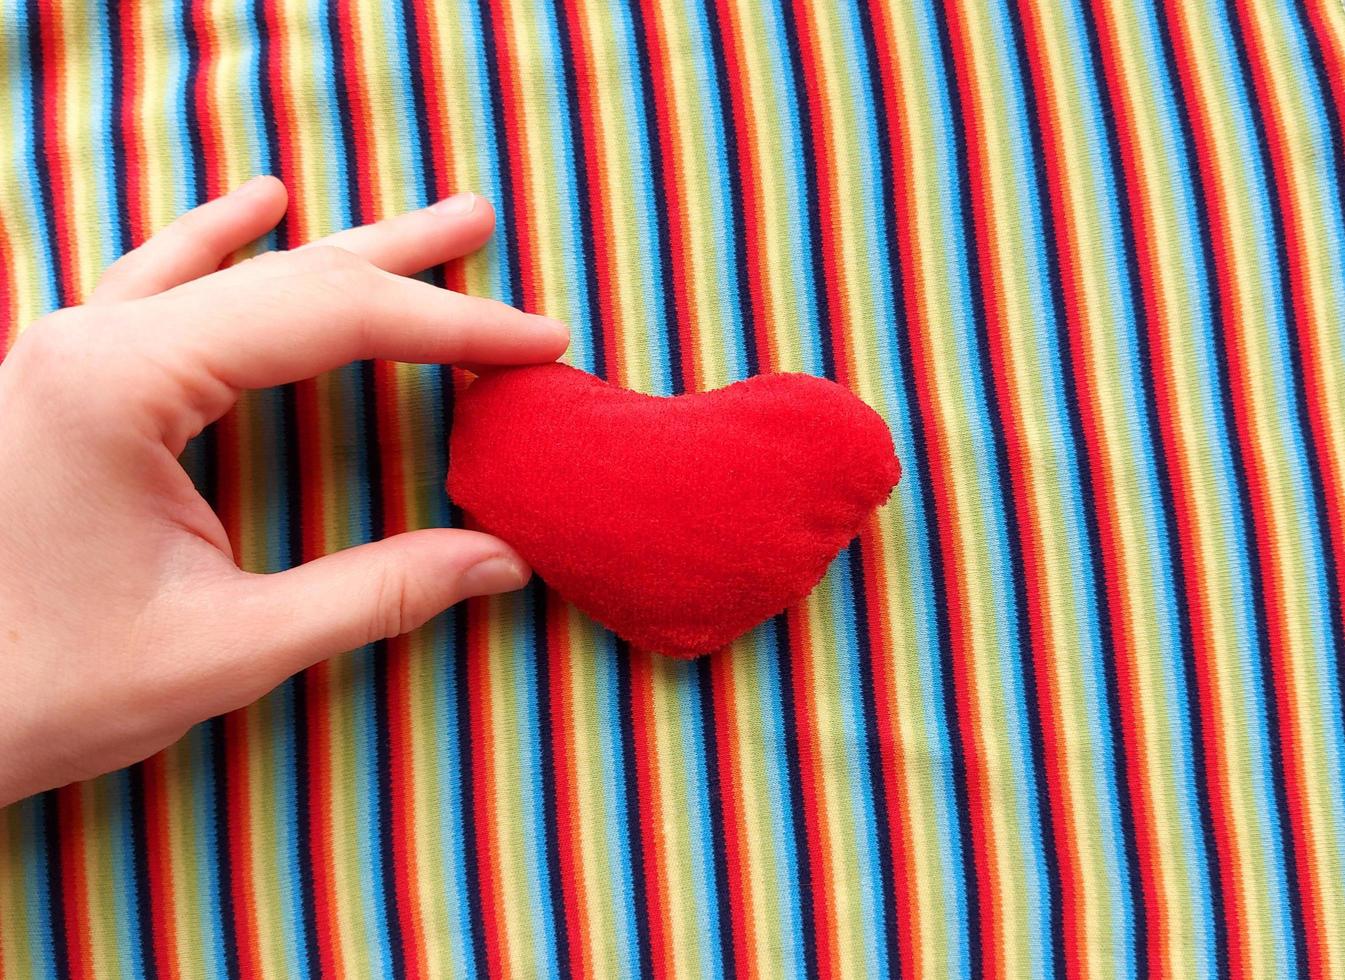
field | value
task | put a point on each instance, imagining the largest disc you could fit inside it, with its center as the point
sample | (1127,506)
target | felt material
(679,523)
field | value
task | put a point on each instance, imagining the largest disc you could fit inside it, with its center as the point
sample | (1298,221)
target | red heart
(679,523)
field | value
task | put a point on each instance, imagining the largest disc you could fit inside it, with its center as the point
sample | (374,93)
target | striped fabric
(1071,705)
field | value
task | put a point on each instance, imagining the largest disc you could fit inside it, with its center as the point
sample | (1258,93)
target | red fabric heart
(679,523)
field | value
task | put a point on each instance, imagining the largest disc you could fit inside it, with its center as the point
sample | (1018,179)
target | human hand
(124,619)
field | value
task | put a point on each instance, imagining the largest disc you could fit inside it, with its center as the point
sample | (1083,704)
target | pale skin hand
(124,619)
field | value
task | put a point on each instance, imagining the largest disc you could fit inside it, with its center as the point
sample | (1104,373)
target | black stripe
(635,831)
(1004,474)
(380,653)
(584,210)
(1293,885)
(1336,148)
(219,775)
(117,134)
(387,853)
(547,747)
(457,627)
(1071,384)
(476,938)
(505,229)
(44,205)
(216,739)
(143,893)
(287,422)
(48,806)
(1190,669)
(658,182)
(737,161)
(714,792)
(798,813)
(192,111)
(808,153)
(300,689)
(878,768)
(430,179)
(885,114)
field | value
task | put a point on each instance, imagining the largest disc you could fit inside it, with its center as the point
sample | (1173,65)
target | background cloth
(1071,706)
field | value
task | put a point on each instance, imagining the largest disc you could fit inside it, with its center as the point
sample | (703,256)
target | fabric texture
(678,523)
(1070,706)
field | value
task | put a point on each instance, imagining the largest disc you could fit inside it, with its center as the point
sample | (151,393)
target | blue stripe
(652,341)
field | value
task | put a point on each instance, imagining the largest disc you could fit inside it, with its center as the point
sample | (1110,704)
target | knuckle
(321,257)
(392,609)
(119,267)
(56,339)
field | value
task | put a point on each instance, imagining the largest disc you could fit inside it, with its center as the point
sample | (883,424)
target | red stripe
(651,816)
(595,196)
(9,306)
(316,681)
(398,652)
(207,45)
(1314,357)
(1105,497)
(282,102)
(523,198)
(74,879)
(1221,234)
(483,778)
(160,860)
(672,193)
(811,777)
(365,163)
(56,163)
(1297,780)
(731,791)
(237,765)
(569,822)
(901,828)
(133,177)
(750,179)
(823,151)
(954,584)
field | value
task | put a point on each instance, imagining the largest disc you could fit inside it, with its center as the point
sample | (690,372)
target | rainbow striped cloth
(1070,706)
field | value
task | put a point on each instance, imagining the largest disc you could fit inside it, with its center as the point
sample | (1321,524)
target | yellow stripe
(962,445)
(15,951)
(1050,513)
(767,105)
(1307,188)
(1198,456)
(677,846)
(16,204)
(81,140)
(158,61)
(106,906)
(1251,826)
(837,792)
(690,171)
(511,848)
(553,290)
(612,71)
(591,768)
(762,858)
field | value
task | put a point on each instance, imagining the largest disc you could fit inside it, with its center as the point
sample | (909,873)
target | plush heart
(679,523)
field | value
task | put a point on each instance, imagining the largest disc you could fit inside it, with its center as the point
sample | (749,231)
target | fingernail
(495,574)
(456,206)
(248,186)
(556,326)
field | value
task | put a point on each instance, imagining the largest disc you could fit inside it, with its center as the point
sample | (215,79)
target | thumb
(375,591)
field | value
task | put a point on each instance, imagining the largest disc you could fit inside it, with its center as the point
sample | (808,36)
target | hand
(124,619)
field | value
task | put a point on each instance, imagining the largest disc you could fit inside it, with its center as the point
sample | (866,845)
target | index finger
(292,315)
